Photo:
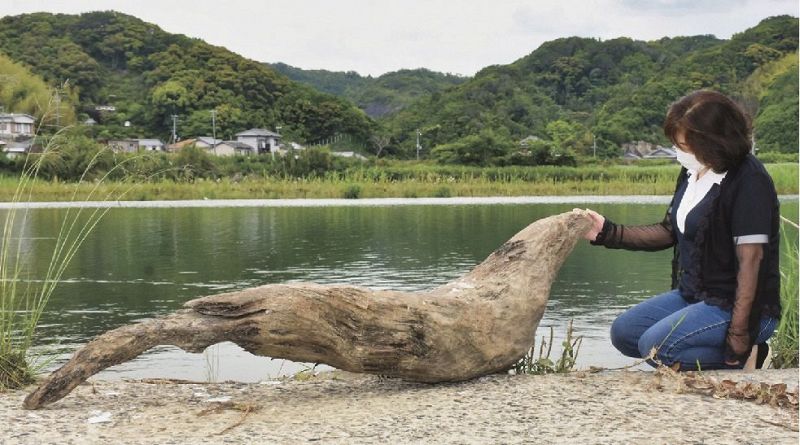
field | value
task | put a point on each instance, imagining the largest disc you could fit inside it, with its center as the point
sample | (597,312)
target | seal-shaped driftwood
(481,323)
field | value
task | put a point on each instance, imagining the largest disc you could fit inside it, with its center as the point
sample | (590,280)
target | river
(148,259)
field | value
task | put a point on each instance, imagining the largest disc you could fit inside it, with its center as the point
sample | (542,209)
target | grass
(403,181)
(542,364)
(784,342)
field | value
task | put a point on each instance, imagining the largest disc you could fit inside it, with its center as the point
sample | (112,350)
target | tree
(487,147)
(380,141)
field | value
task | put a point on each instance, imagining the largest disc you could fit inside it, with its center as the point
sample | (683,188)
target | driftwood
(481,323)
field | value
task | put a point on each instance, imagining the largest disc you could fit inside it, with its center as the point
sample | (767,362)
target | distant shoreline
(367,202)
(340,202)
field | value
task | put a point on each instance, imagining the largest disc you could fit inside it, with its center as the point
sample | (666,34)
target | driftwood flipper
(481,323)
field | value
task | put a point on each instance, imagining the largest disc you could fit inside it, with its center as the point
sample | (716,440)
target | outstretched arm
(649,237)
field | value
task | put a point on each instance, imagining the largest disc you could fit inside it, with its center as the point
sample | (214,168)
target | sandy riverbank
(604,408)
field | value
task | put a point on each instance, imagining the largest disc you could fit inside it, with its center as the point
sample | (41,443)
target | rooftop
(258,132)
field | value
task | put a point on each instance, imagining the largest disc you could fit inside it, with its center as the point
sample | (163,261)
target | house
(231,148)
(207,142)
(13,126)
(13,149)
(260,140)
(124,145)
(181,144)
(662,153)
(151,144)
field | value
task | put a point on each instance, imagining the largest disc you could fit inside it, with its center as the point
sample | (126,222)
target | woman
(723,225)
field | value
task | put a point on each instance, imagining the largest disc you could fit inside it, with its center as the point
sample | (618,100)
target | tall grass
(22,305)
(785,341)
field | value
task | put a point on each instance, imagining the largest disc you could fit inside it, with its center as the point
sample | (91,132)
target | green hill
(377,96)
(571,90)
(147,75)
(569,93)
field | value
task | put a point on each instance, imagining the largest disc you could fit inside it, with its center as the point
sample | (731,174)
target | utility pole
(174,125)
(419,133)
(214,130)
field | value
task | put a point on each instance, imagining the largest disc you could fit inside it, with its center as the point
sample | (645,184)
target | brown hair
(716,128)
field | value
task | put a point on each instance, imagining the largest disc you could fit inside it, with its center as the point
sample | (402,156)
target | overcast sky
(456,36)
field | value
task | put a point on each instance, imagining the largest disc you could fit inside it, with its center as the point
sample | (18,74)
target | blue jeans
(690,333)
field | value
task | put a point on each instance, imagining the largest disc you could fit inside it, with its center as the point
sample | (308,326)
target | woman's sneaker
(760,358)
(764,356)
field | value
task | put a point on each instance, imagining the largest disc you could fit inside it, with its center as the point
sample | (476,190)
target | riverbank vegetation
(399,180)
(319,173)
(785,344)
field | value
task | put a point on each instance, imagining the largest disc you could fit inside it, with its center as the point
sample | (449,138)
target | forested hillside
(572,90)
(576,96)
(112,59)
(377,96)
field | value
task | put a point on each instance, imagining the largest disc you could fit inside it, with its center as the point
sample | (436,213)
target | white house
(206,142)
(260,140)
(14,149)
(662,153)
(150,144)
(16,125)
(231,148)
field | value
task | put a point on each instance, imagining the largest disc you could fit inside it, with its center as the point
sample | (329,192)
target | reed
(784,342)
(22,303)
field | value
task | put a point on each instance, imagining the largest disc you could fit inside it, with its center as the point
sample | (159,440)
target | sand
(612,407)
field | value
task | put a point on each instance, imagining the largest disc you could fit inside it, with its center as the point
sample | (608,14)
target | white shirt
(696,190)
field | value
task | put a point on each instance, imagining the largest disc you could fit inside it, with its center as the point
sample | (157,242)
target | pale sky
(455,36)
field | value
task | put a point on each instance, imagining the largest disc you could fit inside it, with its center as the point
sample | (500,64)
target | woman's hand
(737,347)
(597,225)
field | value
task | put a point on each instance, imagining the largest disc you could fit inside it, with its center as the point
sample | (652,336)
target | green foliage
(193,162)
(774,157)
(543,152)
(776,127)
(21,91)
(543,364)
(352,192)
(485,148)
(380,96)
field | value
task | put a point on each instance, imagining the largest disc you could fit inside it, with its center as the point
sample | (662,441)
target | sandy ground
(581,408)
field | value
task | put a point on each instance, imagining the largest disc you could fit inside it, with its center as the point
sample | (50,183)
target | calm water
(139,263)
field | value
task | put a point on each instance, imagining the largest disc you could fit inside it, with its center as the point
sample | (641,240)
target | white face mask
(688,160)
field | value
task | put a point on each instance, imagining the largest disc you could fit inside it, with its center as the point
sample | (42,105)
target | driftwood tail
(479,324)
(121,345)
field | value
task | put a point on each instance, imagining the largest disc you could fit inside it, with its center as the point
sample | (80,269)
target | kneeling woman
(723,225)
